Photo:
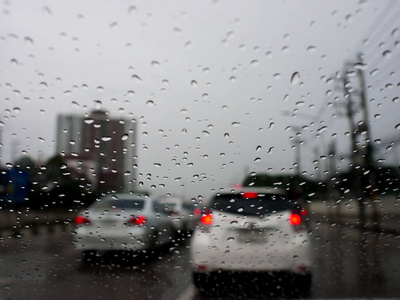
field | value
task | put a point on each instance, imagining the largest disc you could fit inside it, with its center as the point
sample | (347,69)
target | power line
(374,26)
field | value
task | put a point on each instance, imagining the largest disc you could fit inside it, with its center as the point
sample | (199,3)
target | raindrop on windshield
(155,64)
(137,79)
(295,78)
(150,103)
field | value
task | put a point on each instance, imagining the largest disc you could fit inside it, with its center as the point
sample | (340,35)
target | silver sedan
(122,222)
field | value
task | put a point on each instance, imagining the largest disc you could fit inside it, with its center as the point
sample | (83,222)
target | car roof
(126,196)
(259,190)
(169,199)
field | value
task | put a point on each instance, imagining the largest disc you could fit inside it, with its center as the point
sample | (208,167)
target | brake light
(207,219)
(303,212)
(81,220)
(197,211)
(250,195)
(295,219)
(139,220)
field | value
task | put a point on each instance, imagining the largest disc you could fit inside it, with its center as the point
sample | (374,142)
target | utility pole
(355,172)
(369,174)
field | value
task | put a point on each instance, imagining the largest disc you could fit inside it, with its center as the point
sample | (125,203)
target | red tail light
(81,220)
(295,219)
(207,219)
(139,220)
(250,195)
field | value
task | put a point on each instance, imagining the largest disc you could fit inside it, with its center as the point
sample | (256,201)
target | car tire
(203,282)
(303,285)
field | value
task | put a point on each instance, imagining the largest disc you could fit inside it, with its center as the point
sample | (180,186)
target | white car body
(134,225)
(180,212)
(237,242)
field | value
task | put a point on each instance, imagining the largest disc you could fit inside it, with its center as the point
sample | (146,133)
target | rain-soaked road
(349,263)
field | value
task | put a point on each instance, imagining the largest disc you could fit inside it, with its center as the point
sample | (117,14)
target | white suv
(255,230)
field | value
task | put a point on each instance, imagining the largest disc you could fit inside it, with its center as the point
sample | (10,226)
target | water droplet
(397,126)
(89,121)
(258,159)
(67,93)
(100,89)
(194,83)
(16,110)
(226,135)
(254,63)
(311,49)
(360,66)
(150,103)
(155,64)
(387,54)
(125,137)
(205,96)
(395,100)
(224,107)
(113,25)
(374,72)
(230,35)
(285,49)
(131,93)
(137,79)
(277,76)
(232,79)
(206,70)
(300,103)
(158,165)
(295,78)
(322,129)
(188,45)
(131,9)
(236,124)
(28,40)
(47,10)
(258,148)
(43,85)
(165,82)
(177,30)
(106,138)
(270,150)
(14,62)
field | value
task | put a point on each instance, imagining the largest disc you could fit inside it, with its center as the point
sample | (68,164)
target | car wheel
(204,283)
(303,285)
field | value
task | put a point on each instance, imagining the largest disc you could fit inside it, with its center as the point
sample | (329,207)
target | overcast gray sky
(207,81)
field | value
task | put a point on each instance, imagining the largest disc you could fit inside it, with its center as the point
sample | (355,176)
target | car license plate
(255,236)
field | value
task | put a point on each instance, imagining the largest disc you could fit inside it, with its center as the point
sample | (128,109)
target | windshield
(259,206)
(119,204)
(175,107)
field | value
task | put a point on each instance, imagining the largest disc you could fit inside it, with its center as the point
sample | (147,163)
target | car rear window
(120,204)
(256,205)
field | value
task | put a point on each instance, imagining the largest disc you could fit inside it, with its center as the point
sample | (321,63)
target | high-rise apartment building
(100,149)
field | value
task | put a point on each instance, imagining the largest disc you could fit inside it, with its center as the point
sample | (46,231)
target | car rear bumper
(107,242)
(293,257)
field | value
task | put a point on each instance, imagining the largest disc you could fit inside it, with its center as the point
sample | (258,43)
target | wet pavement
(349,263)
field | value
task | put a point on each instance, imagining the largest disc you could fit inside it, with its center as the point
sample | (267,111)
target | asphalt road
(349,263)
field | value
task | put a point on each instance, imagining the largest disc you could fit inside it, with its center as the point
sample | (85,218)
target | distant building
(100,149)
